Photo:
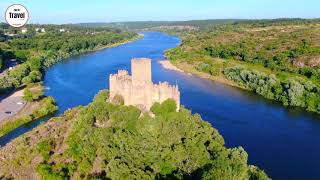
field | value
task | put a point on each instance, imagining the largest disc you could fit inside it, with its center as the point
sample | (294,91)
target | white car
(20,103)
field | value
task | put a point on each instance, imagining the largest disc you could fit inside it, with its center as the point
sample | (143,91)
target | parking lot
(11,105)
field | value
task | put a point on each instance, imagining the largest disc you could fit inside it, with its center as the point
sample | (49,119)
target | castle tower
(141,71)
(138,89)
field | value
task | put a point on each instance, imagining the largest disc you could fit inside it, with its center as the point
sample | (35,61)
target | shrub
(118,100)
(33,92)
(27,95)
(164,108)
(287,90)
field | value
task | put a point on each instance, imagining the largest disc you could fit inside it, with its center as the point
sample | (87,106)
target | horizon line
(235,19)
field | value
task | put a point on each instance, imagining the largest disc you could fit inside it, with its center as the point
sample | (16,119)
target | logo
(17,15)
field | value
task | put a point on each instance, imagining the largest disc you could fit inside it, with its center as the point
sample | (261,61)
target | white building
(24,30)
(40,30)
(62,30)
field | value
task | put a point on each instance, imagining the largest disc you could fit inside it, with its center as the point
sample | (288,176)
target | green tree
(35,64)
(27,95)
(21,55)
(164,108)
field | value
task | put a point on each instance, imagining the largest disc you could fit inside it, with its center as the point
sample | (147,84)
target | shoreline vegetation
(190,70)
(279,60)
(35,52)
(133,146)
(40,106)
(135,38)
(37,106)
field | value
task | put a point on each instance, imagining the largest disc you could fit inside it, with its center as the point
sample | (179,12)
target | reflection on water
(285,142)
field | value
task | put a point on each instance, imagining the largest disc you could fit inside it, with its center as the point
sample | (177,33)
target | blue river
(285,142)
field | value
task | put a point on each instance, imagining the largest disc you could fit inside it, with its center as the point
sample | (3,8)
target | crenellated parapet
(166,91)
(139,90)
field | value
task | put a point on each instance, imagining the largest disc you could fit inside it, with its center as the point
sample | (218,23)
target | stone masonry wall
(139,90)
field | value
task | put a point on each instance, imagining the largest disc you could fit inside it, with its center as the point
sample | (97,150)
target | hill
(105,140)
(144,25)
(198,24)
(278,59)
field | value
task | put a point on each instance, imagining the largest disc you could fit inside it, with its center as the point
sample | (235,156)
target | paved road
(11,104)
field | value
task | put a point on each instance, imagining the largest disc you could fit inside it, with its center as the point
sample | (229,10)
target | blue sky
(75,11)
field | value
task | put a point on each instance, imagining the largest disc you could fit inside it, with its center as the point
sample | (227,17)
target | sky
(76,11)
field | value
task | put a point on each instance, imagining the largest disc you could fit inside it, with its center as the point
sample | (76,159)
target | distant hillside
(138,25)
(198,24)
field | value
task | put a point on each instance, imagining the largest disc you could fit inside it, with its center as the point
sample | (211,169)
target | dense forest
(35,51)
(106,140)
(278,59)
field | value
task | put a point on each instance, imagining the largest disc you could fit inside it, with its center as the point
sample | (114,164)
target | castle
(138,89)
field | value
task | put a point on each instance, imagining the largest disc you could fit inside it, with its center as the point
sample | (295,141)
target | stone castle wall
(141,71)
(139,90)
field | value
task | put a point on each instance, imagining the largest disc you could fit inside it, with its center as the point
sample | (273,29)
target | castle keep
(138,89)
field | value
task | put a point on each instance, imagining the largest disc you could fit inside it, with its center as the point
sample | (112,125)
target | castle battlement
(138,89)
(122,73)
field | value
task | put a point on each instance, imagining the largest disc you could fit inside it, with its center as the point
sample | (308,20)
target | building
(62,30)
(138,89)
(24,30)
(40,30)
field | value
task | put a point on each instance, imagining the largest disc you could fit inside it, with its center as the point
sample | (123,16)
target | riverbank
(97,48)
(140,36)
(168,65)
(34,105)
(38,59)
(189,69)
(32,111)
(261,81)
(37,109)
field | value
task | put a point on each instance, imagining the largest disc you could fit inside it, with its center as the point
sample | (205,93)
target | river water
(284,142)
